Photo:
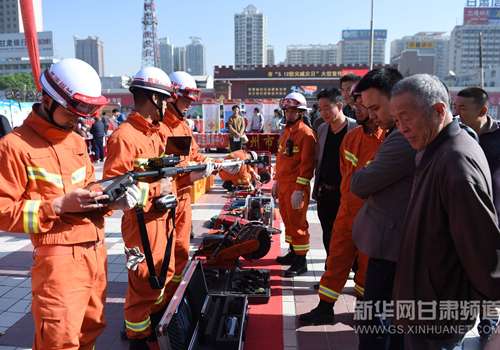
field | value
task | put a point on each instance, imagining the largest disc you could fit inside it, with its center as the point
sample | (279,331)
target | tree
(17,82)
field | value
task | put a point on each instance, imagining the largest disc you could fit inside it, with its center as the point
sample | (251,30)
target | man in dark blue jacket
(97,131)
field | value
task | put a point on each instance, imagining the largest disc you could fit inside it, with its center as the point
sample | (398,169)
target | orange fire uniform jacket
(129,147)
(174,126)
(356,150)
(295,173)
(41,162)
(244,175)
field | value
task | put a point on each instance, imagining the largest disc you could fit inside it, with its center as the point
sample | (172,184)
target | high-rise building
(424,52)
(354,48)
(311,54)
(464,47)
(91,51)
(166,55)
(270,55)
(196,57)
(11,20)
(250,37)
(179,58)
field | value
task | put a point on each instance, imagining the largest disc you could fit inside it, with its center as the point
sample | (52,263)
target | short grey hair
(427,90)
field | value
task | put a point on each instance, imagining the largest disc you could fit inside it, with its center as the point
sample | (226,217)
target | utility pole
(150,50)
(481,69)
(370,64)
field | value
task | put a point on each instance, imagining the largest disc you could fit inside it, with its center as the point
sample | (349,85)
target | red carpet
(265,325)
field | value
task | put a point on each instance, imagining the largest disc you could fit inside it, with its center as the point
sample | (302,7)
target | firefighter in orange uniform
(358,147)
(244,175)
(295,163)
(45,167)
(137,139)
(174,124)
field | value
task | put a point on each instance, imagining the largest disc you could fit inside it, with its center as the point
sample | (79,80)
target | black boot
(298,267)
(288,259)
(138,344)
(123,332)
(322,314)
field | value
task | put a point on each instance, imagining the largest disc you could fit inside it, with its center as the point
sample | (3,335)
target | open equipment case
(195,319)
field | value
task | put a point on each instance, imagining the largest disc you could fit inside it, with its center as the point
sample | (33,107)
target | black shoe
(316,286)
(123,332)
(138,344)
(288,259)
(322,314)
(298,267)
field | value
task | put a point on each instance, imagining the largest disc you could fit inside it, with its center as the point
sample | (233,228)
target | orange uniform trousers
(343,251)
(296,225)
(183,216)
(141,300)
(69,294)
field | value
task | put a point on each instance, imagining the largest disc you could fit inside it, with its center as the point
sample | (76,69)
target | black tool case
(254,283)
(195,319)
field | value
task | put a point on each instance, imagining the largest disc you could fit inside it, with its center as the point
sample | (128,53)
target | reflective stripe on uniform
(250,170)
(78,175)
(360,290)
(328,292)
(160,297)
(192,163)
(144,187)
(295,149)
(351,157)
(140,162)
(243,181)
(30,216)
(176,278)
(288,239)
(301,247)
(42,174)
(303,181)
(140,326)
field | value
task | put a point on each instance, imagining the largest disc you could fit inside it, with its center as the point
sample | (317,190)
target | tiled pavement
(298,295)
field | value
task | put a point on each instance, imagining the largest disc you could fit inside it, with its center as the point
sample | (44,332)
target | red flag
(31,39)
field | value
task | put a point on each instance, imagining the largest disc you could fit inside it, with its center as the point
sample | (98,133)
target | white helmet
(154,79)
(185,85)
(253,155)
(75,85)
(293,100)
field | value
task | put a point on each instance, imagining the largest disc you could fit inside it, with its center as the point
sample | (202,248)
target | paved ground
(298,295)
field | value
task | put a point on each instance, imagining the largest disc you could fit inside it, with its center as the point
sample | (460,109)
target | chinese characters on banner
(211,115)
(211,140)
(263,142)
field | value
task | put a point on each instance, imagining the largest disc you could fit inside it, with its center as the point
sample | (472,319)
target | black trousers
(328,206)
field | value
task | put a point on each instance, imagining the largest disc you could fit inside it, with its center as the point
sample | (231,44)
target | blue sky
(118,23)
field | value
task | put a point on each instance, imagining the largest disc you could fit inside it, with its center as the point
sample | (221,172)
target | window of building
(8,25)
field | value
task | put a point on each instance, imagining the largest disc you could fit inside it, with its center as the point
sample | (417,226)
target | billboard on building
(494,18)
(476,15)
(13,45)
(420,44)
(363,34)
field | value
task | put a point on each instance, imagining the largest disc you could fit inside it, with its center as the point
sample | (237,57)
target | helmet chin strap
(296,121)
(50,113)
(158,106)
(181,115)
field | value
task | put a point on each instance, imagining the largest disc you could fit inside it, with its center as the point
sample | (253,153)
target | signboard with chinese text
(263,142)
(280,90)
(420,45)
(494,18)
(13,45)
(211,140)
(211,115)
(364,34)
(475,15)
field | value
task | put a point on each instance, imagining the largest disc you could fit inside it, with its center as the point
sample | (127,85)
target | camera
(166,202)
